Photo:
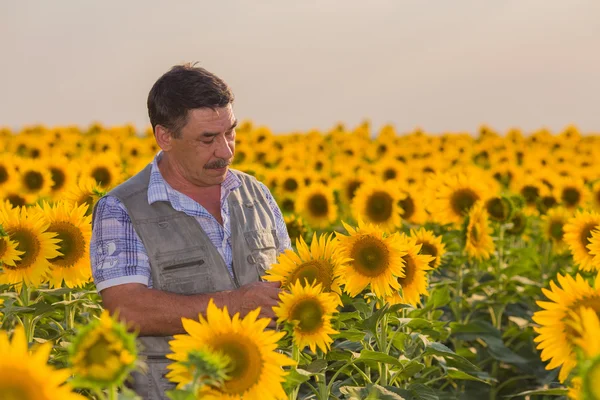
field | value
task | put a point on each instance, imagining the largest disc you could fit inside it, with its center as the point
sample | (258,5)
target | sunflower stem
(27,322)
(113,392)
(69,312)
(383,347)
(295,357)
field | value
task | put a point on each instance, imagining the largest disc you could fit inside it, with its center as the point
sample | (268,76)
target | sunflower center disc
(309,315)
(430,250)
(462,200)
(371,256)
(33,180)
(312,271)
(556,230)
(586,235)
(530,193)
(3,246)
(571,196)
(318,205)
(102,176)
(379,206)
(353,185)
(389,174)
(28,244)
(15,200)
(410,270)
(3,174)
(89,200)
(497,209)
(290,185)
(287,205)
(408,207)
(246,362)
(97,353)
(58,178)
(474,239)
(71,245)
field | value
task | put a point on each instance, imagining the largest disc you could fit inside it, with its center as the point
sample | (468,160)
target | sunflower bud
(500,208)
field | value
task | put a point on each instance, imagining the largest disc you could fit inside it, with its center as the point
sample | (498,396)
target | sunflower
(34,179)
(595,195)
(320,263)
(63,174)
(9,254)
(85,191)
(416,266)
(574,392)
(479,243)
(25,374)
(309,311)
(557,339)
(317,205)
(295,227)
(29,232)
(455,195)
(412,207)
(431,245)
(594,248)
(376,260)
(348,183)
(553,227)
(255,370)
(578,232)
(389,169)
(105,170)
(499,208)
(518,224)
(379,203)
(571,193)
(8,172)
(74,230)
(103,353)
(531,189)
(289,183)
(14,197)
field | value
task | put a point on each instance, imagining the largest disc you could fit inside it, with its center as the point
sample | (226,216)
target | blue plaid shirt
(117,253)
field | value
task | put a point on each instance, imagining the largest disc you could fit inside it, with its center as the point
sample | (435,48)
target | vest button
(250,259)
(249,205)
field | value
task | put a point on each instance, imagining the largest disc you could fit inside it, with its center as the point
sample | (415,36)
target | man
(186,228)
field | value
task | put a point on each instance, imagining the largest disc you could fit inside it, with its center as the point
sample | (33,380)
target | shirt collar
(160,190)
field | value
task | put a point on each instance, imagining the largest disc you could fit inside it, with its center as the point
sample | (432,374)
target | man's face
(205,146)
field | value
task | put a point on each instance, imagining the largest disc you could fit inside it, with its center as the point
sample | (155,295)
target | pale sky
(446,65)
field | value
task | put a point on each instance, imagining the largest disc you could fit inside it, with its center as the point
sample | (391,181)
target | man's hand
(253,295)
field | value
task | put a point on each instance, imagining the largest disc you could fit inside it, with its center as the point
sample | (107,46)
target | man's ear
(163,137)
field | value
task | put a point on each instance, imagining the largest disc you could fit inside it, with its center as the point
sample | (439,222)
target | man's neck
(177,181)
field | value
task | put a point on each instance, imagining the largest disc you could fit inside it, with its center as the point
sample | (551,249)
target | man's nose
(223,149)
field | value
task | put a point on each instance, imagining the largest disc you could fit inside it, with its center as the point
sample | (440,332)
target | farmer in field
(186,228)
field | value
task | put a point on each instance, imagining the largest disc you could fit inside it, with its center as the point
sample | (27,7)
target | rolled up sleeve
(280,227)
(117,254)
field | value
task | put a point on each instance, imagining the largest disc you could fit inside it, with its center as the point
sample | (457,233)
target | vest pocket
(263,248)
(187,277)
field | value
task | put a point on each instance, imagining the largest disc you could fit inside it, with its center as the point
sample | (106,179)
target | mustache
(217,164)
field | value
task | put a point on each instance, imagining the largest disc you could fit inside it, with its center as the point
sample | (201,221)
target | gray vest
(183,260)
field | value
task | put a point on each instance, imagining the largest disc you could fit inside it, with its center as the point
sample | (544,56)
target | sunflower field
(424,266)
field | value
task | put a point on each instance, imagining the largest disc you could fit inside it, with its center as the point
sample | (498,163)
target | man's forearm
(156,313)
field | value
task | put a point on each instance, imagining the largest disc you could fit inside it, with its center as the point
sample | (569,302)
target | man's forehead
(209,116)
